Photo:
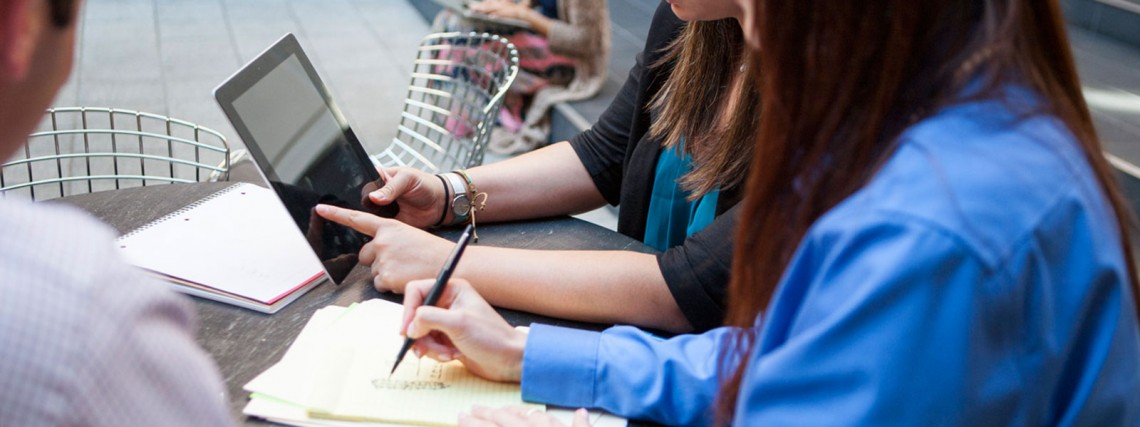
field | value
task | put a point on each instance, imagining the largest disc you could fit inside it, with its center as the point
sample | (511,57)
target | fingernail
(323,209)
(445,357)
(411,331)
(379,194)
(418,353)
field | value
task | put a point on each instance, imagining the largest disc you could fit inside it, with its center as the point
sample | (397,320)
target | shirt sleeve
(625,371)
(142,366)
(697,271)
(602,148)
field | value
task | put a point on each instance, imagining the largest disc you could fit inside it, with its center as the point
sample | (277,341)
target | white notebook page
(240,240)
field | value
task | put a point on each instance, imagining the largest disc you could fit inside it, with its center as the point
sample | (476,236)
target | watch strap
(446,200)
(458,190)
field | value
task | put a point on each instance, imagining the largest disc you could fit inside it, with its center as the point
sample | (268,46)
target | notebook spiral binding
(181,211)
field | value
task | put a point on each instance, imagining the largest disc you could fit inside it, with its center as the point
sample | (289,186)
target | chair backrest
(458,84)
(82,150)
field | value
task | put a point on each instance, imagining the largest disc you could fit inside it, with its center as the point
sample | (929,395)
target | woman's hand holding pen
(398,252)
(463,326)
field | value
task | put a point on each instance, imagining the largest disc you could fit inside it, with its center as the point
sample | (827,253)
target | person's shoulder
(987,174)
(663,29)
(44,212)
(51,252)
(39,232)
(62,264)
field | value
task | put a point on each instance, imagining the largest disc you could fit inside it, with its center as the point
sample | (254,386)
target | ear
(19,33)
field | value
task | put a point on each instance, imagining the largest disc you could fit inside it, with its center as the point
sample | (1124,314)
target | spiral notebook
(237,246)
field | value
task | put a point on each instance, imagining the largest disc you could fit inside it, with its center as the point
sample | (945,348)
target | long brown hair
(843,79)
(695,96)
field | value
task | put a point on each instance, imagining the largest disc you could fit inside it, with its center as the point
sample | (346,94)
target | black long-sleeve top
(621,159)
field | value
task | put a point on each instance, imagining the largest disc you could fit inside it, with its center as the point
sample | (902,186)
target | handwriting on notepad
(356,385)
(435,372)
(424,378)
(388,384)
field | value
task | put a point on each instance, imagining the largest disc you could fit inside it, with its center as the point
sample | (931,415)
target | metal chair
(82,150)
(458,84)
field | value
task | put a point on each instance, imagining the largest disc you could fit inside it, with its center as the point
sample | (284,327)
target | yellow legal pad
(337,369)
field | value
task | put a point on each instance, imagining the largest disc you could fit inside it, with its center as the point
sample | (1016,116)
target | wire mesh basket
(457,87)
(80,150)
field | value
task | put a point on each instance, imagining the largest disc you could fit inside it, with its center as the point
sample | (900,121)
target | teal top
(672,217)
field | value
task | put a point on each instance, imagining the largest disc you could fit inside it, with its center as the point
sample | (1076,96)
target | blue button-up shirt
(976,279)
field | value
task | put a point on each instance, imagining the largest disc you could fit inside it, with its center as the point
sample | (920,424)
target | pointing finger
(360,221)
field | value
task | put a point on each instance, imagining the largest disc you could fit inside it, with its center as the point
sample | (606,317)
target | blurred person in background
(562,57)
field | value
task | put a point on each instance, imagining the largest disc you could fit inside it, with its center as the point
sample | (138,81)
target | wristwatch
(461,203)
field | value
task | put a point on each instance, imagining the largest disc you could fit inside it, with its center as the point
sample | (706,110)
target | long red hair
(842,79)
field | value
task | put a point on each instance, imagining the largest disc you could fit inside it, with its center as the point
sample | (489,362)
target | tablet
(304,148)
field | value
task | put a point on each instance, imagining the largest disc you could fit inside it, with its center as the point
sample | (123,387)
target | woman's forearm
(613,287)
(547,182)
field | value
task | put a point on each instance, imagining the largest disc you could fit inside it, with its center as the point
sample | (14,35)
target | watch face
(461,205)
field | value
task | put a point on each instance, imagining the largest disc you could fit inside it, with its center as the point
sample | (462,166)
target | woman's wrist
(517,344)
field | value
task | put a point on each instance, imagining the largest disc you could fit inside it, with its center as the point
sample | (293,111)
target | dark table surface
(244,342)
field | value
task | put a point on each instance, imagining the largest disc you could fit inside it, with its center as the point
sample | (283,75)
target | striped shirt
(86,340)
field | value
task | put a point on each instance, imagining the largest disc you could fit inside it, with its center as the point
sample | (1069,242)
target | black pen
(437,289)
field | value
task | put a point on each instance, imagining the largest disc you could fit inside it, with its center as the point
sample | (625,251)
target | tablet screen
(304,147)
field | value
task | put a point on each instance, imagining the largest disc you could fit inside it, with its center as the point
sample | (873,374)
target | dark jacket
(622,160)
